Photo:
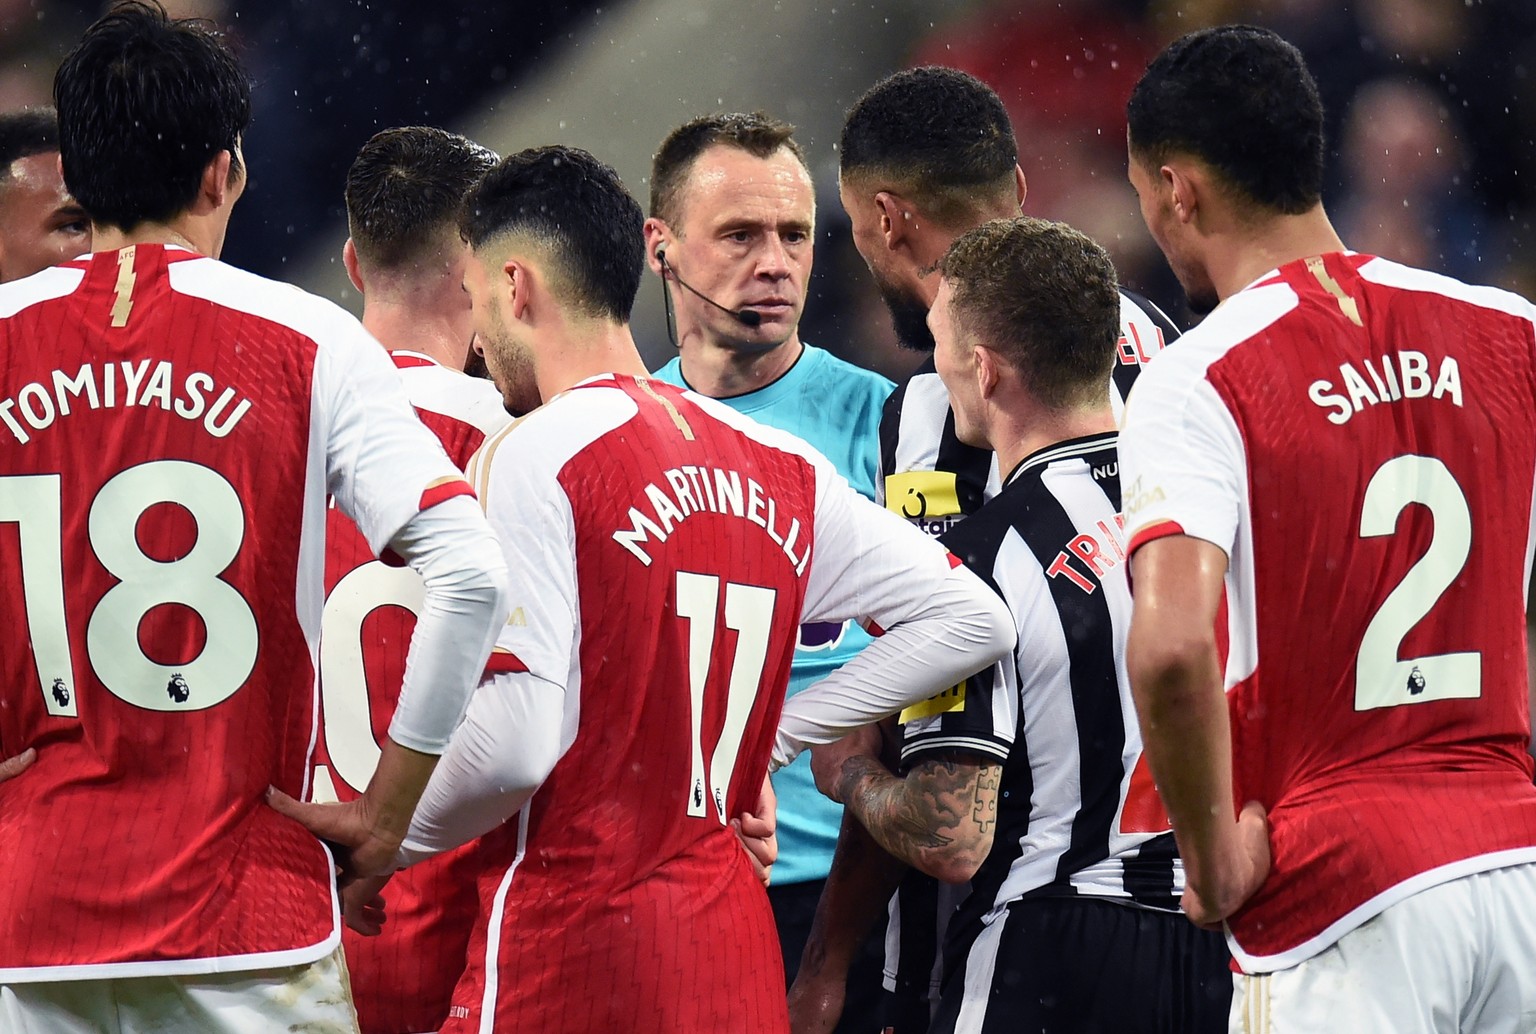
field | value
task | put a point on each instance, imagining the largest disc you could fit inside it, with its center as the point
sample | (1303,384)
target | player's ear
(349,260)
(898,218)
(215,188)
(1019,185)
(516,287)
(1186,190)
(988,370)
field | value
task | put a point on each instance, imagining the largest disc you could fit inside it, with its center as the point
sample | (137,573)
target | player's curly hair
(937,135)
(759,134)
(1239,98)
(576,209)
(1044,297)
(145,102)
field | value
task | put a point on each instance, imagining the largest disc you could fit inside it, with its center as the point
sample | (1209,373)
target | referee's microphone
(746,317)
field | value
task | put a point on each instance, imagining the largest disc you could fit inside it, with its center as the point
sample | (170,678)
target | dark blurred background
(1431,115)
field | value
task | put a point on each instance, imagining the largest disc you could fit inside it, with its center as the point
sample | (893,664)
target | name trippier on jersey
(692,490)
(146,383)
(1100,550)
(1393,377)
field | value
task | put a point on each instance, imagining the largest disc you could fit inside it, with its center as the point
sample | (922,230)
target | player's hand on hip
(758,831)
(816,1003)
(363,906)
(348,827)
(827,759)
(12,767)
(1227,883)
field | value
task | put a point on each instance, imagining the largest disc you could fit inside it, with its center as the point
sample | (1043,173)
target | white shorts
(1457,957)
(315,998)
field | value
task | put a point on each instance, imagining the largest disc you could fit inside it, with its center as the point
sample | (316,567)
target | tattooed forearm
(940,818)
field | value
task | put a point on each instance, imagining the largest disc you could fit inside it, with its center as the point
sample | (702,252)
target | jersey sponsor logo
(1391,378)
(1100,549)
(121,384)
(1138,497)
(927,498)
(952,699)
(709,490)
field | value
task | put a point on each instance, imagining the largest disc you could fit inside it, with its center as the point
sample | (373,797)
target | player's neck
(1238,260)
(722,371)
(200,234)
(598,347)
(1018,432)
(399,326)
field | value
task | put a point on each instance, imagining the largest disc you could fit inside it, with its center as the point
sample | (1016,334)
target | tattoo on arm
(940,818)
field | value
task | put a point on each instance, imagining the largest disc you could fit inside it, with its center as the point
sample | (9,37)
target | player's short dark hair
(145,102)
(1045,297)
(936,134)
(578,210)
(404,191)
(25,133)
(1239,98)
(759,134)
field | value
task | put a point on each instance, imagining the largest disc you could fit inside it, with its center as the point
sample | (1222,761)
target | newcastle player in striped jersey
(926,155)
(1027,779)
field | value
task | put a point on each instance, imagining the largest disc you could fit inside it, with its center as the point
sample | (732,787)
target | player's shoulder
(452,393)
(763,434)
(229,287)
(537,446)
(45,286)
(1386,273)
(1240,321)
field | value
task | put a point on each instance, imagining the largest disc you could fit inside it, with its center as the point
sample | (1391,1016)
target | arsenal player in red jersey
(170,428)
(1328,487)
(406,257)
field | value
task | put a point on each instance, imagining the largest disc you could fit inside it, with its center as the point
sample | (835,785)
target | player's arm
(939,818)
(938,621)
(1176,680)
(389,474)
(507,746)
(859,885)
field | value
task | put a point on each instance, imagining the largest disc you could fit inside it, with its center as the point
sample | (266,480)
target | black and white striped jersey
(933,478)
(1077,812)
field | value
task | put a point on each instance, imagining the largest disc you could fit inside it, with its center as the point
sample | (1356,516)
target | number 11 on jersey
(749,613)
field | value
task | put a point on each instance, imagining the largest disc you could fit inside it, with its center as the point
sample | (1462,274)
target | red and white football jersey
(403,978)
(170,428)
(661,551)
(1360,438)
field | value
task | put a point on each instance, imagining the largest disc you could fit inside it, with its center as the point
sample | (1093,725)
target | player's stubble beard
(511,368)
(909,316)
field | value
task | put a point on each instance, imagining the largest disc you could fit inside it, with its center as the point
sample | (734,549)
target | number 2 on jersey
(749,613)
(1381,680)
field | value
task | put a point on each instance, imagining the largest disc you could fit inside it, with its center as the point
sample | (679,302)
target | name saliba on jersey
(1392,378)
(124,383)
(694,489)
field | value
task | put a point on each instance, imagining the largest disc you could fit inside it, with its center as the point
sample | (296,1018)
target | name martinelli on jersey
(104,386)
(1403,375)
(708,490)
